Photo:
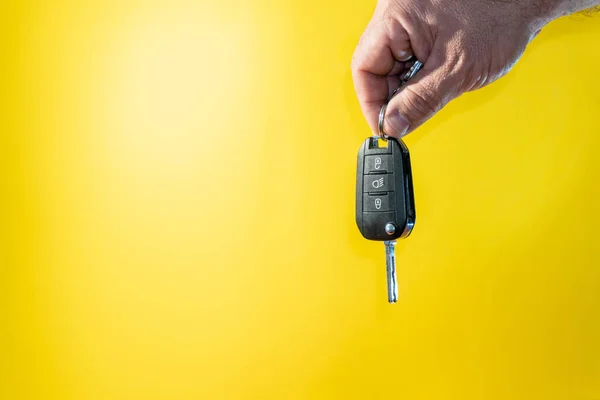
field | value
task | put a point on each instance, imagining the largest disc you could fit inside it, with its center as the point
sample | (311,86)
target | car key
(385,206)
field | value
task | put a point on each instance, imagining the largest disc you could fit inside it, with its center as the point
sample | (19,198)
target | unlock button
(377,202)
(378,163)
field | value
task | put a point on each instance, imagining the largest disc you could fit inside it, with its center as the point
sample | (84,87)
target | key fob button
(378,202)
(382,163)
(379,183)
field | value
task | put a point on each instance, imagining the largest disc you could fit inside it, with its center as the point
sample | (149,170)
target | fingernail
(398,124)
(403,55)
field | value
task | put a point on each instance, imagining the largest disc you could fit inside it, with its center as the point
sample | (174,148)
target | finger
(393,84)
(398,39)
(372,91)
(373,53)
(398,68)
(422,97)
(373,61)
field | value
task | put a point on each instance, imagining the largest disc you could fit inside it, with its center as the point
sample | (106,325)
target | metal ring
(394,92)
(412,71)
(380,122)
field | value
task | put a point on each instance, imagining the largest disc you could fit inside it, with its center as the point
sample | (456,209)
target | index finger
(373,63)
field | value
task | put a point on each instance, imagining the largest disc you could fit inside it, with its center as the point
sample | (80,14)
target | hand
(464,45)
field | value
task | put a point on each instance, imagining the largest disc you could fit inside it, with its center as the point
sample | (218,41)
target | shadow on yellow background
(178,213)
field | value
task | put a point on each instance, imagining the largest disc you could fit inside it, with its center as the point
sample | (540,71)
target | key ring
(380,122)
(412,71)
(408,75)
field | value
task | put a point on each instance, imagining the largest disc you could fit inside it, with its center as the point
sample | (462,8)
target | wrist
(541,12)
(549,10)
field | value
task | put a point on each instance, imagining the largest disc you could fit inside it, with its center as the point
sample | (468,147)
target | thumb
(420,99)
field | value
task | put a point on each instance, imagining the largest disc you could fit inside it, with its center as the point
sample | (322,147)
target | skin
(463,44)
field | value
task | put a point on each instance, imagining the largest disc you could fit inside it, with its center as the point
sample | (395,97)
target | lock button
(378,202)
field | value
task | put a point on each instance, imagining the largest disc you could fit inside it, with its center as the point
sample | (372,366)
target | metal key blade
(390,265)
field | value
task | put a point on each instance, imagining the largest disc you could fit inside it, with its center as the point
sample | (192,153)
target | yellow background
(177,204)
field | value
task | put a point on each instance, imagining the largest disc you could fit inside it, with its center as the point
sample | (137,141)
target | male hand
(463,44)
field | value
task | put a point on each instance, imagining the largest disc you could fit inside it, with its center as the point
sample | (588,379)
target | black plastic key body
(385,205)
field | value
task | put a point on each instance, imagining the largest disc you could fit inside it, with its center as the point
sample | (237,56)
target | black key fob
(385,205)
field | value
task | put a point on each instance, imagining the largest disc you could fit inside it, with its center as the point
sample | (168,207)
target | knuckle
(467,68)
(390,23)
(456,63)
(454,66)
(388,10)
(456,70)
(421,105)
(356,62)
(458,55)
(353,64)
